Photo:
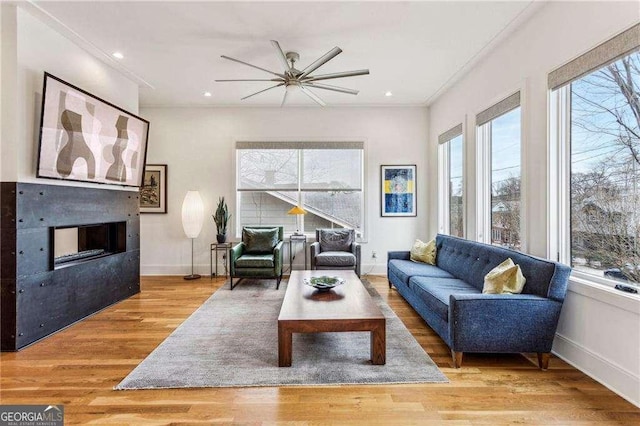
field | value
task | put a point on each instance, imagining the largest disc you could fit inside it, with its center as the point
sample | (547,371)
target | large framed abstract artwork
(85,138)
(153,192)
(398,190)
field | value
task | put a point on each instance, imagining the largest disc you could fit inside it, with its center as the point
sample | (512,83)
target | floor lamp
(192,220)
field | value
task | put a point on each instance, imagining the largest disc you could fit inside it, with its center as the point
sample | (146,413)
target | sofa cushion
(504,278)
(435,292)
(471,261)
(336,239)
(258,240)
(405,269)
(335,258)
(424,252)
(250,260)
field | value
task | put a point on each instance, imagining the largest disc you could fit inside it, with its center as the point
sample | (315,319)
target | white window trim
(559,214)
(444,178)
(483,179)
(443,188)
(483,172)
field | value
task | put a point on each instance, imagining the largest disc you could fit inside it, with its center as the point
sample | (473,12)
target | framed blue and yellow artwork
(398,191)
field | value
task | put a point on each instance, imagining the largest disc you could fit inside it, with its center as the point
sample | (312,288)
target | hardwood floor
(79,366)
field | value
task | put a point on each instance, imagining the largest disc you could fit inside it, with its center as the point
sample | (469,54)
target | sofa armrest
(356,250)
(402,255)
(234,253)
(277,258)
(314,250)
(502,323)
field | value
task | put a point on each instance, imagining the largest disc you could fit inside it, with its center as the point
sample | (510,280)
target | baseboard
(616,378)
(203,270)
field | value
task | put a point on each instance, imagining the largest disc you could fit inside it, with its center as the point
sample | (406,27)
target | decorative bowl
(324,282)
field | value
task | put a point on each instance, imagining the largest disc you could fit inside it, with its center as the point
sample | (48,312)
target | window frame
(559,145)
(483,231)
(301,145)
(444,179)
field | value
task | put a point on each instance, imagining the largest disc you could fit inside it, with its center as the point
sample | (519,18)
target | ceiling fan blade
(321,61)
(264,90)
(252,66)
(313,96)
(334,88)
(336,75)
(281,56)
(264,79)
(284,99)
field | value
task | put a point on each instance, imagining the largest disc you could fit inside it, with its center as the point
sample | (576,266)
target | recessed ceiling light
(388,93)
(118,55)
(207,94)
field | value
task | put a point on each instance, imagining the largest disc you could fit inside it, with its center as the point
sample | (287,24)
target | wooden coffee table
(344,308)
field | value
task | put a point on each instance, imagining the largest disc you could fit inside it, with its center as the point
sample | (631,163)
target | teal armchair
(258,255)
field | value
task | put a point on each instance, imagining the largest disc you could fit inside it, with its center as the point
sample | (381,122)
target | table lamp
(298,211)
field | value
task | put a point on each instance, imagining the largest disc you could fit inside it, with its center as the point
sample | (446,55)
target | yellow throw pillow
(504,278)
(424,252)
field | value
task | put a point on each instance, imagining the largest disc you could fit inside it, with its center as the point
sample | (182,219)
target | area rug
(232,341)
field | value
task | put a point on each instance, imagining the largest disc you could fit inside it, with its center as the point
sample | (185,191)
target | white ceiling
(173,48)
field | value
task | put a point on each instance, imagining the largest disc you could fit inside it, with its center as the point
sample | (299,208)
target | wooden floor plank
(79,367)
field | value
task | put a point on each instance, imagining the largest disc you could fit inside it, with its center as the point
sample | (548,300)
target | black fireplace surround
(42,293)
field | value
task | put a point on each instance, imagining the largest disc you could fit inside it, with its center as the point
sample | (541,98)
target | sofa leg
(390,285)
(457,359)
(543,360)
(278,283)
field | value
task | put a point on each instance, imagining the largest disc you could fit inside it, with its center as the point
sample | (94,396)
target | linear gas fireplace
(67,252)
(75,244)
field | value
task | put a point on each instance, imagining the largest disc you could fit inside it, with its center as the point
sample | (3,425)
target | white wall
(607,345)
(198,144)
(38,48)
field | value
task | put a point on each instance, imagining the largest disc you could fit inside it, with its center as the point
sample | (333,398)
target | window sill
(605,293)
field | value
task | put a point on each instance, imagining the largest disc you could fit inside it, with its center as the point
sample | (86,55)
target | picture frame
(398,190)
(85,138)
(153,192)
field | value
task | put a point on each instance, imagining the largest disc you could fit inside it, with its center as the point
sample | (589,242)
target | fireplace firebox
(74,244)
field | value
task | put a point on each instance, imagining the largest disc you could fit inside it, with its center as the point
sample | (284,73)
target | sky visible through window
(505,149)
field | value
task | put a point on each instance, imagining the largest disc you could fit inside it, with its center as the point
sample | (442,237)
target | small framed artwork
(398,190)
(153,192)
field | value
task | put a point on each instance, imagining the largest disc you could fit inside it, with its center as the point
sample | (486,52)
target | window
(499,174)
(595,141)
(325,178)
(451,155)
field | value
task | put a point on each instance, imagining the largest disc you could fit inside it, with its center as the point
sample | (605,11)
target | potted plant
(221,218)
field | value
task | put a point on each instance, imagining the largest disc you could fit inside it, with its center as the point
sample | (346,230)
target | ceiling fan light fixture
(292,87)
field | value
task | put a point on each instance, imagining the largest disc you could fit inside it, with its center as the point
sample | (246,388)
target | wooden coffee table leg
(379,344)
(285,345)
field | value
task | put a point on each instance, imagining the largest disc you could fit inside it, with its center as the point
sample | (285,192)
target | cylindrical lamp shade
(192,214)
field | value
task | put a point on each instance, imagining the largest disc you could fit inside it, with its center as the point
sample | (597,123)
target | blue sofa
(448,296)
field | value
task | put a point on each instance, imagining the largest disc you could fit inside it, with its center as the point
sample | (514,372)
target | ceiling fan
(294,79)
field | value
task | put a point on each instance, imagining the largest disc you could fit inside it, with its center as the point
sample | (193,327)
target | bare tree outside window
(605,171)
(505,180)
(456,211)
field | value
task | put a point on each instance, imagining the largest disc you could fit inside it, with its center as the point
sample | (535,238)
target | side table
(219,247)
(293,240)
